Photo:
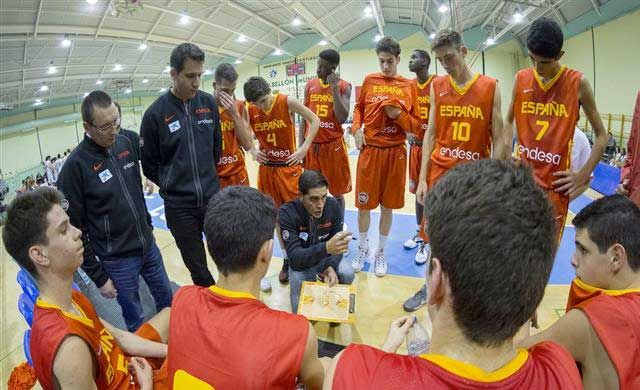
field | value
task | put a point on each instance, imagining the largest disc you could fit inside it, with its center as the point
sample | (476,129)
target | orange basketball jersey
(232,160)
(546,116)
(424,95)
(274,129)
(378,91)
(319,99)
(463,122)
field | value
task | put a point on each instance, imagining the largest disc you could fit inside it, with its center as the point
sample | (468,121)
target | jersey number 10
(461,131)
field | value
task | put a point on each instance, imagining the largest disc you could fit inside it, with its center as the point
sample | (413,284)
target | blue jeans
(344,271)
(125,272)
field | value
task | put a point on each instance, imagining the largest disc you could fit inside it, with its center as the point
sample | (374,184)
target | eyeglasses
(103,129)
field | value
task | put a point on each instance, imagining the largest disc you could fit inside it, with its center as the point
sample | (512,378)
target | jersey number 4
(544,127)
(271,138)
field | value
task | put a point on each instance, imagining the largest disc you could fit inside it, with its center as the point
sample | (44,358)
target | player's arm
(134,345)
(314,125)
(303,123)
(428,143)
(150,150)
(508,124)
(569,181)
(340,100)
(499,134)
(73,366)
(311,371)
(626,168)
(243,129)
(409,120)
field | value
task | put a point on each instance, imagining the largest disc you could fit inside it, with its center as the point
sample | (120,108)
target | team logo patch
(64,204)
(363,198)
(303,236)
(285,234)
(105,175)
(174,126)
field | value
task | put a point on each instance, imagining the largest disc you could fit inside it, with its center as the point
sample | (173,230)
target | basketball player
(271,119)
(385,111)
(545,105)
(72,348)
(240,343)
(602,325)
(419,64)
(328,96)
(473,212)
(235,128)
(465,124)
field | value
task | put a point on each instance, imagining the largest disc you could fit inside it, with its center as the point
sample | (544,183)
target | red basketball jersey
(319,99)
(232,160)
(231,340)
(424,105)
(274,129)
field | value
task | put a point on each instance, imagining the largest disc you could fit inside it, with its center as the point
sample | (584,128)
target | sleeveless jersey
(463,121)
(544,366)
(274,129)
(51,326)
(378,91)
(232,160)
(241,343)
(424,96)
(615,317)
(546,116)
(319,99)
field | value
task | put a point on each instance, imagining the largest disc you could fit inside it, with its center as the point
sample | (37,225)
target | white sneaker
(265,285)
(380,265)
(360,258)
(423,254)
(412,242)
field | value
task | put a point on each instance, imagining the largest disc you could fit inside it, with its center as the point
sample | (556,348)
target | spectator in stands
(49,171)
(630,175)
(611,145)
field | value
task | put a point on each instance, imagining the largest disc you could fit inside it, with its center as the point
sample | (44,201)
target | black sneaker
(416,301)
(283,276)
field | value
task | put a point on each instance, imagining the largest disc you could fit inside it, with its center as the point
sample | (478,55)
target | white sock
(363,240)
(382,240)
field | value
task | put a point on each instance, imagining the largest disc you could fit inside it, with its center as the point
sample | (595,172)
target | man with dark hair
(465,124)
(241,343)
(312,231)
(545,106)
(71,346)
(182,143)
(102,183)
(602,323)
(328,96)
(419,64)
(386,110)
(474,212)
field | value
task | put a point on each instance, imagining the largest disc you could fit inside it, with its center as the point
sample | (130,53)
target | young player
(419,64)
(328,96)
(602,325)
(465,124)
(545,106)
(385,111)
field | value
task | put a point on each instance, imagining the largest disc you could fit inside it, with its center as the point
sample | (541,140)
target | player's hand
(333,79)
(392,111)
(534,320)
(297,157)
(108,290)
(421,191)
(359,138)
(569,181)
(258,155)
(622,188)
(397,333)
(339,243)
(227,102)
(329,276)
(149,187)
(141,368)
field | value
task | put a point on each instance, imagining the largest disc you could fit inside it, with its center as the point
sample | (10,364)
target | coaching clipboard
(319,302)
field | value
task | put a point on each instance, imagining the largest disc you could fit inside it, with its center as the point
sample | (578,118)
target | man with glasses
(102,184)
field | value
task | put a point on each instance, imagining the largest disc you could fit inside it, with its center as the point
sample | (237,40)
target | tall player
(235,128)
(328,96)
(465,124)
(546,104)
(385,111)
(419,64)
(271,119)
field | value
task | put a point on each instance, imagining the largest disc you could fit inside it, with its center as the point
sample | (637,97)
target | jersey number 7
(543,130)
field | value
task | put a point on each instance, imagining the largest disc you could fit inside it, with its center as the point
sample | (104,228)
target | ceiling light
(44,88)
(86,94)
(143,46)
(167,69)
(66,42)
(206,72)
(241,38)
(128,90)
(117,67)
(99,82)
(144,81)
(517,17)
(184,19)
(92,2)
(443,8)
(277,52)
(323,43)
(162,89)
(52,70)
(368,12)
(377,38)
(432,35)
(490,41)
(38,101)
(296,21)
(238,61)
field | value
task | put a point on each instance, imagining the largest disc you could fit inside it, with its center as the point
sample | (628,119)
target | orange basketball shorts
(331,159)
(415,159)
(381,177)
(241,178)
(560,204)
(281,182)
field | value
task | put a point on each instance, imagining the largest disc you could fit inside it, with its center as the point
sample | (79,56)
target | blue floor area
(400,261)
